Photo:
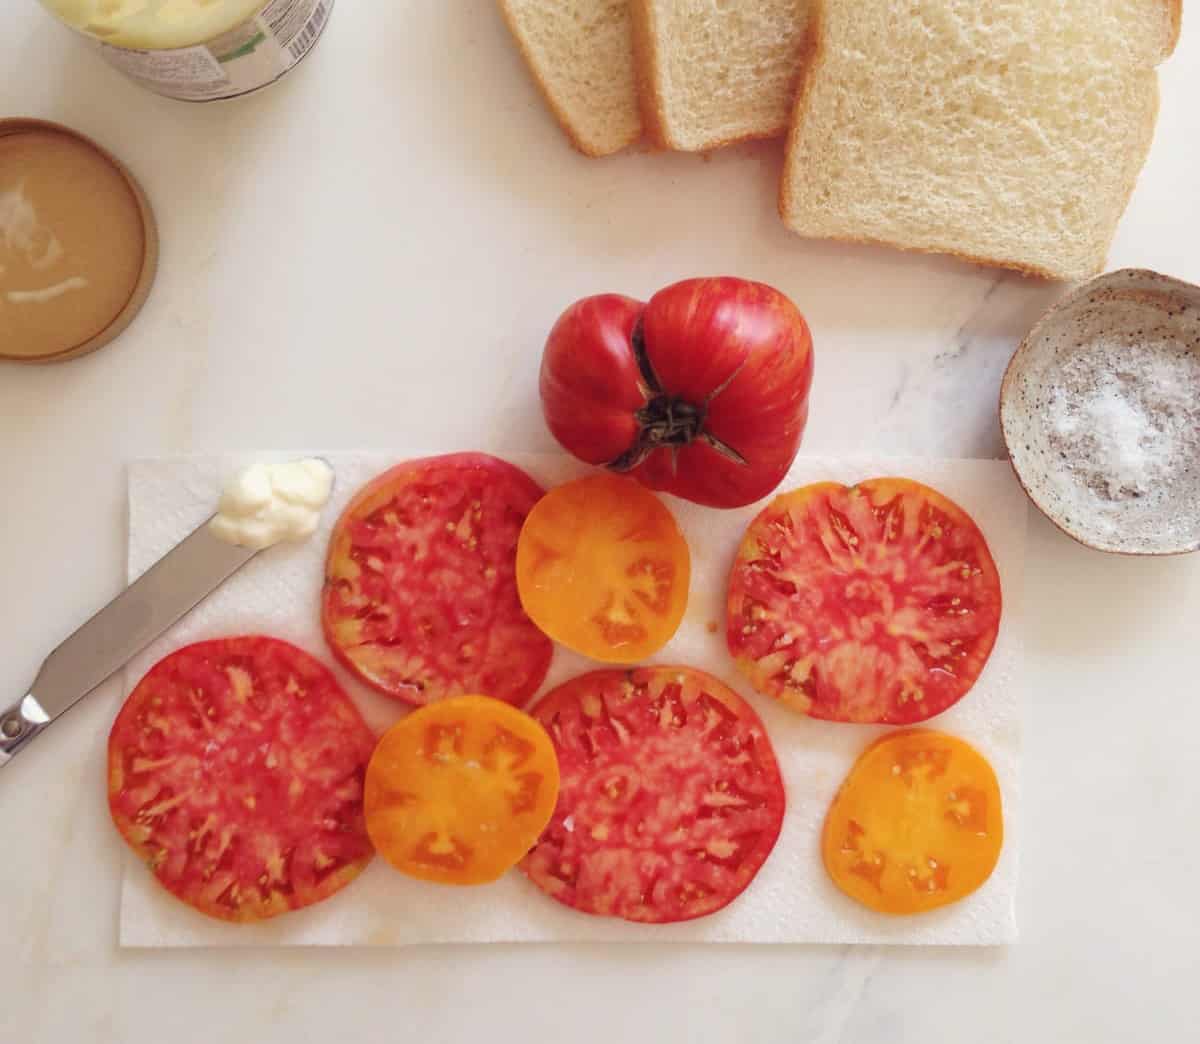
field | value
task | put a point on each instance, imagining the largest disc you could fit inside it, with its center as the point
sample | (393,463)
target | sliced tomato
(671,797)
(918,823)
(603,568)
(235,771)
(874,603)
(420,598)
(459,791)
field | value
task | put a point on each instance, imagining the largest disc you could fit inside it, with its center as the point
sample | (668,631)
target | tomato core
(667,421)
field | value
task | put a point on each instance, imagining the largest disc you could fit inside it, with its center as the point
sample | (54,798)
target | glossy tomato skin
(703,392)
(590,384)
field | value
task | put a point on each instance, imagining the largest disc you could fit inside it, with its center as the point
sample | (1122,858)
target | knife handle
(19,724)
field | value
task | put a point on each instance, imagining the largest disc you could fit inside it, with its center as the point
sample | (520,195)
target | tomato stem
(722,448)
(667,421)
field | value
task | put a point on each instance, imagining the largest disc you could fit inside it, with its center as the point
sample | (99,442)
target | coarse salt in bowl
(1100,410)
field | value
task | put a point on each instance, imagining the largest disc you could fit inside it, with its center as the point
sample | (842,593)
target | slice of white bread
(581,55)
(1008,133)
(712,72)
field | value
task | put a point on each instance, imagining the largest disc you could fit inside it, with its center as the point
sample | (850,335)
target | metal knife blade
(167,591)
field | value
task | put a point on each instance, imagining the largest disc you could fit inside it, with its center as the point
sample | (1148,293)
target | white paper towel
(791,900)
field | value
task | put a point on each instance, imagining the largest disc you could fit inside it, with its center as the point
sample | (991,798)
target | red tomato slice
(670,798)
(235,771)
(420,597)
(875,603)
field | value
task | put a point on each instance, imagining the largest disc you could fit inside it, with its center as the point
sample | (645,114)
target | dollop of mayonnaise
(269,503)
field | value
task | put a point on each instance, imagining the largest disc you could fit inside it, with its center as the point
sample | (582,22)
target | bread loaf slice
(1011,134)
(581,55)
(712,72)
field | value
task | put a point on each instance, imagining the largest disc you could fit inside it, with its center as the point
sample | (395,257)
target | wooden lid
(78,243)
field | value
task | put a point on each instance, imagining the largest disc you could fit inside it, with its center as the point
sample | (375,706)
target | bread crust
(647,70)
(1021,267)
(1175,13)
(814,56)
(738,139)
(572,132)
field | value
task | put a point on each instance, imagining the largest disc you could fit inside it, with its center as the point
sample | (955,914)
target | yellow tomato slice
(916,825)
(459,791)
(603,569)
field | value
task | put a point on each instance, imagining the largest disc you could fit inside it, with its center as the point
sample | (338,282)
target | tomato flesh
(420,598)
(671,797)
(459,791)
(235,771)
(603,568)
(917,824)
(874,603)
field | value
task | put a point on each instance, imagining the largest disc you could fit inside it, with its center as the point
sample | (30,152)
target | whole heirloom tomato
(702,392)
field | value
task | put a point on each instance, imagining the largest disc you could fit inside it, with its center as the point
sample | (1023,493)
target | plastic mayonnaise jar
(200,50)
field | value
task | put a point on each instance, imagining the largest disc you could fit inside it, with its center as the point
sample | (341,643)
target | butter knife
(166,592)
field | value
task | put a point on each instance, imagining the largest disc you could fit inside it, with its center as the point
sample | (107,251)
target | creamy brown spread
(72,243)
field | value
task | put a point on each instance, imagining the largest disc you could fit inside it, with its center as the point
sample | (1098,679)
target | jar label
(246,58)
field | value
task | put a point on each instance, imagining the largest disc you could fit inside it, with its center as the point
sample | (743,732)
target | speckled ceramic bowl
(1100,410)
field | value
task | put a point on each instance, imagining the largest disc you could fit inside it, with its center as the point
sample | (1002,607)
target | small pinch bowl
(1100,411)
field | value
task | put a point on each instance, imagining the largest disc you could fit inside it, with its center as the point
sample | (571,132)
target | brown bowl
(149,266)
(1100,410)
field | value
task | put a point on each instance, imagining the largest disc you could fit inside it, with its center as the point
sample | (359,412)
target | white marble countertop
(369,255)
